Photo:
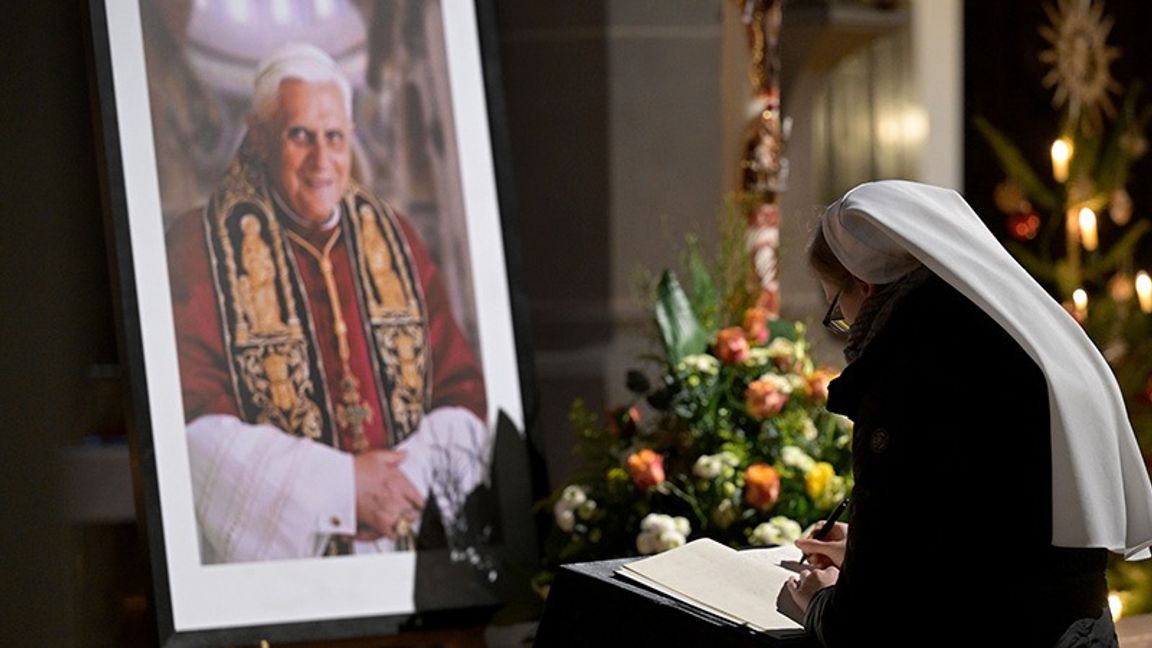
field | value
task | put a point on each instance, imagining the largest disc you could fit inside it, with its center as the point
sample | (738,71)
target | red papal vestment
(263,493)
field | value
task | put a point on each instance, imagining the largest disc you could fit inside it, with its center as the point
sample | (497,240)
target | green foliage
(680,331)
(1017,168)
(703,426)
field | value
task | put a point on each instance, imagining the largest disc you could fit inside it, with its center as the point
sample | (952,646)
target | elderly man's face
(307,148)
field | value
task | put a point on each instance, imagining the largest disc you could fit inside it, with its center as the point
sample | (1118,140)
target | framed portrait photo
(329,389)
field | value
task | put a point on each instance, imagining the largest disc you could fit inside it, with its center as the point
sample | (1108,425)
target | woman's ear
(866,289)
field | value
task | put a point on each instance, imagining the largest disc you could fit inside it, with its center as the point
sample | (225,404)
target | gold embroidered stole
(276,368)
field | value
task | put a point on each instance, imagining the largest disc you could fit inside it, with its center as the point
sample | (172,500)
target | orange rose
(755,325)
(623,422)
(646,468)
(761,486)
(818,383)
(762,399)
(731,347)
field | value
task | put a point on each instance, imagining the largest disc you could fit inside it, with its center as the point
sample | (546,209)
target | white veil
(1101,496)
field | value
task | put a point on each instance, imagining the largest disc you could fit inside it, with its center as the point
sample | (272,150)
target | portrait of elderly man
(330,396)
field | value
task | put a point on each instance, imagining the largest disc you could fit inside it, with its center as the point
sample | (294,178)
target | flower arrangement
(730,441)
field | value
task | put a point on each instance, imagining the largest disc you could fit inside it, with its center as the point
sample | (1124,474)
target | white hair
(296,61)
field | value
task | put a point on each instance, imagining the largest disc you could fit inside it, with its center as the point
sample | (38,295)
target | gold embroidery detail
(390,290)
(259,303)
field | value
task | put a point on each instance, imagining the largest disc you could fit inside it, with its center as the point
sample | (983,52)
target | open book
(745,587)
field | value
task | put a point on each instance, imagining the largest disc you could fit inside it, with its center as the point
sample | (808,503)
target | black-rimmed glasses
(834,320)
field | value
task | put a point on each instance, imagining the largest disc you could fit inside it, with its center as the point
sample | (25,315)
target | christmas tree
(1075,230)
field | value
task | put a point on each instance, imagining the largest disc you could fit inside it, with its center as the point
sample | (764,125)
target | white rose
(682,525)
(657,523)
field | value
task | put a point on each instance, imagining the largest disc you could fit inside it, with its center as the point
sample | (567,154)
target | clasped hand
(384,495)
(826,557)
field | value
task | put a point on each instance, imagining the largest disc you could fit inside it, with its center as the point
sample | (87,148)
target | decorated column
(764,171)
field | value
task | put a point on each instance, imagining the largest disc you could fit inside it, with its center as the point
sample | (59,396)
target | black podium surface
(589,607)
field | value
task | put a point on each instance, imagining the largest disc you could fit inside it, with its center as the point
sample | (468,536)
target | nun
(995,465)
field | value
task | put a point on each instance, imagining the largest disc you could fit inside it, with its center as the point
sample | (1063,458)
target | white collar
(307,225)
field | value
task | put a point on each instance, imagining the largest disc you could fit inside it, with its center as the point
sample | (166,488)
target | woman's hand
(803,587)
(828,552)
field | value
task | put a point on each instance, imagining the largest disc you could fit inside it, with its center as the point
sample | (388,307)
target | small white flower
(797,458)
(781,348)
(707,467)
(586,510)
(660,532)
(776,531)
(566,520)
(646,543)
(573,496)
(728,458)
(779,383)
(797,382)
(700,363)
(758,357)
(809,431)
(833,493)
(671,540)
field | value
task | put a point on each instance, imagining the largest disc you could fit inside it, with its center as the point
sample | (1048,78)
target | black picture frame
(136,232)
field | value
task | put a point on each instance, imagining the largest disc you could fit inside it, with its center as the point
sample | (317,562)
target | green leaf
(704,300)
(680,331)
(783,328)
(1017,168)
(1119,251)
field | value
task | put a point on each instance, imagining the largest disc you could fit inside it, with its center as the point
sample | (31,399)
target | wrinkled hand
(384,496)
(803,587)
(828,552)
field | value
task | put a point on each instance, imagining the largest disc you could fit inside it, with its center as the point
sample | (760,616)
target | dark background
(70,584)
(1002,83)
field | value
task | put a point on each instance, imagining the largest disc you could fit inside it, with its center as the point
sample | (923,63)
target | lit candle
(1144,291)
(1088,228)
(1061,154)
(1080,301)
(1115,605)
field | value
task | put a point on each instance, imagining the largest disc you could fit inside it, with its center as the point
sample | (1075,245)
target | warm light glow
(908,125)
(1061,154)
(1088,229)
(1080,300)
(1116,605)
(1144,291)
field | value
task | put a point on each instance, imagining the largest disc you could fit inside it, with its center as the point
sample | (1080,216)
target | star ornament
(1080,57)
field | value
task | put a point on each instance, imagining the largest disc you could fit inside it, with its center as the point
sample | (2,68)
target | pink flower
(646,468)
(761,486)
(731,346)
(755,325)
(762,399)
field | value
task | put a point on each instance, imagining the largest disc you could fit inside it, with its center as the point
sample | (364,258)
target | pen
(826,528)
